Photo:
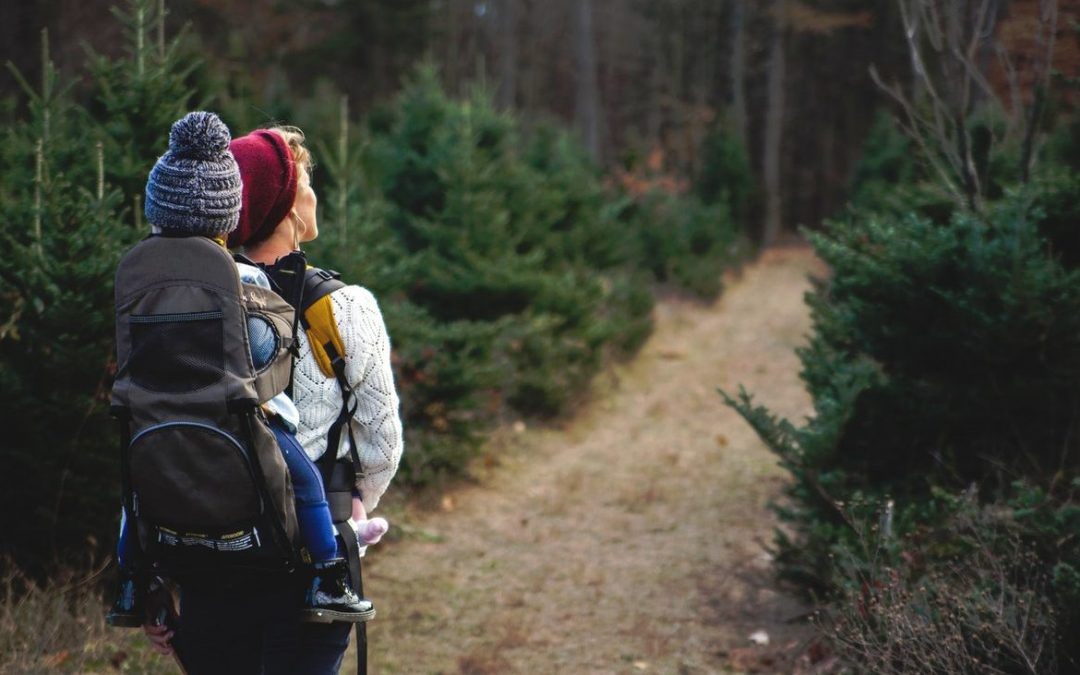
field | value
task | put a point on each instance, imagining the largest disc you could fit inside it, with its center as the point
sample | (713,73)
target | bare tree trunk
(507,54)
(587,104)
(676,76)
(655,119)
(738,70)
(1048,20)
(704,75)
(473,57)
(774,130)
(450,57)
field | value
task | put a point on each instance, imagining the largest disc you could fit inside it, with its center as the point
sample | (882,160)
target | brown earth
(631,540)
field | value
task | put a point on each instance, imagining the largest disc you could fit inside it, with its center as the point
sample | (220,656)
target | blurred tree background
(640,80)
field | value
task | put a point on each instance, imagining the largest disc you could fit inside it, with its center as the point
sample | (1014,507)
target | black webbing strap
(122,415)
(287,279)
(342,423)
(340,503)
(352,547)
(297,301)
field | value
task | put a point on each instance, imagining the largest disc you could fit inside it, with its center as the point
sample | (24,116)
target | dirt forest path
(630,540)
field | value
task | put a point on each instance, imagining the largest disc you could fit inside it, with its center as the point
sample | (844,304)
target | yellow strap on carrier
(322,330)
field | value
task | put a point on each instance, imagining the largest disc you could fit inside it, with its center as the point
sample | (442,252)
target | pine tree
(62,227)
(137,97)
(69,206)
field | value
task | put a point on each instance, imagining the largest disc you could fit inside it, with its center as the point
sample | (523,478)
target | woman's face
(305,206)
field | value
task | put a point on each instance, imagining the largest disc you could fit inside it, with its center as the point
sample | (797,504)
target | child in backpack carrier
(194,190)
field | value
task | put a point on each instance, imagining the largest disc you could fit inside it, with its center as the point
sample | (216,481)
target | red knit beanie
(268,173)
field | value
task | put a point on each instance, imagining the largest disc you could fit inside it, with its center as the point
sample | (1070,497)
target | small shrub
(686,243)
(940,356)
(969,597)
(726,177)
(890,178)
(61,629)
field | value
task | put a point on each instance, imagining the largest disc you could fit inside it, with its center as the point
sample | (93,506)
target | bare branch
(1046,35)
(949,43)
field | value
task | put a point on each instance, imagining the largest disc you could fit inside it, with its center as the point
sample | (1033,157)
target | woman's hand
(160,637)
(161,617)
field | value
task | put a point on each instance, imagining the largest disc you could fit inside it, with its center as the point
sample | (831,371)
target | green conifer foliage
(61,224)
(944,358)
(890,177)
(136,98)
(70,206)
(726,176)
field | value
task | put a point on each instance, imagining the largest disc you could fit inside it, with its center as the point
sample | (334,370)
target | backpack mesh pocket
(177,353)
(263,340)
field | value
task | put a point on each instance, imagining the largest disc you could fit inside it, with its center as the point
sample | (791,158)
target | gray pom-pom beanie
(194,188)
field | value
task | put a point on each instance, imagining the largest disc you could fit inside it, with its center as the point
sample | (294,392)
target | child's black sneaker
(127,611)
(332,598)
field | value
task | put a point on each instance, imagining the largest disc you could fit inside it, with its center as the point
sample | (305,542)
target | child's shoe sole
(312,615)
(117,620)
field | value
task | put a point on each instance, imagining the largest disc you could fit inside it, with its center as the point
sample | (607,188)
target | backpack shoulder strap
(317,316)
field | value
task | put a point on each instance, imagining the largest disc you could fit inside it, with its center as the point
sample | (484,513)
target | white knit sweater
(376,424)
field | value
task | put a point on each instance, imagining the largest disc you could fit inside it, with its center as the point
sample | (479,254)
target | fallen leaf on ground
(750,660)
(56,660)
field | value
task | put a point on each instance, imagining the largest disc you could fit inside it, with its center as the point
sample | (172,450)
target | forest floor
(633,537)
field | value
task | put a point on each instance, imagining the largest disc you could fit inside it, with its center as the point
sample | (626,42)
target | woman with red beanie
(349,424)
(277,216)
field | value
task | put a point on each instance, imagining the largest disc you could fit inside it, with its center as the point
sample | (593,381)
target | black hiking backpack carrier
(201,471)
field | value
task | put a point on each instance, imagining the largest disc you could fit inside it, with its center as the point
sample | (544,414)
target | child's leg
(312,511)
(127,549)
(127,609)
(330,597)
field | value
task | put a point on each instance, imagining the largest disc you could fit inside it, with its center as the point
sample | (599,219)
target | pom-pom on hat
(194,188)
(269,176)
